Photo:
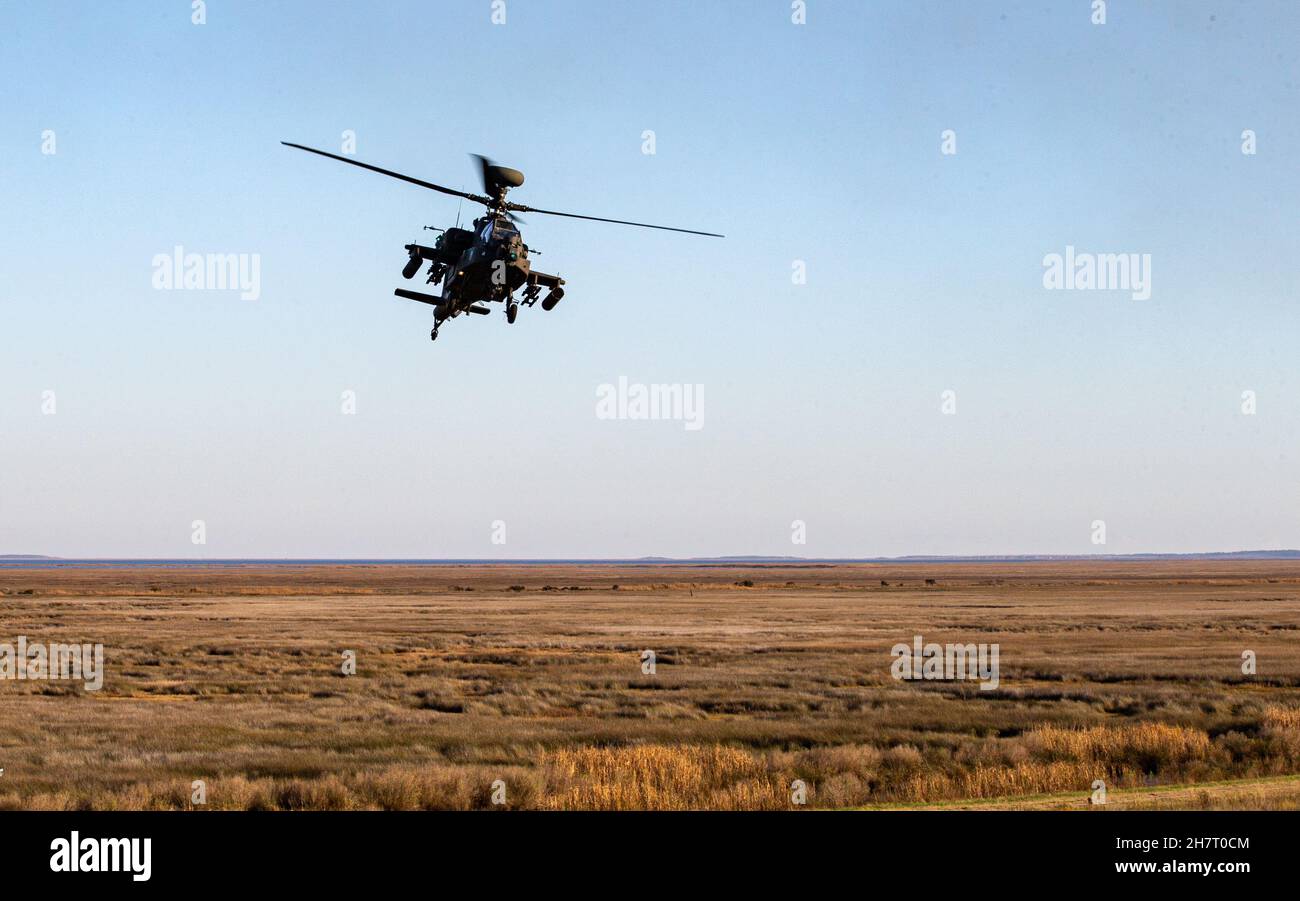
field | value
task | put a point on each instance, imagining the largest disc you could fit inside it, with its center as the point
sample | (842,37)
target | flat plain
(524,684)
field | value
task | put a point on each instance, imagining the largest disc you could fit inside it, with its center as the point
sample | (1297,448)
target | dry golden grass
(661,777)
(1120,671)
(1282,718)
(1148,745)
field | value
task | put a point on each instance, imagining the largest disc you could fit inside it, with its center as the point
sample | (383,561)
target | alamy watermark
(1098,272)
(54,662)
(179,270)
(949,662)
(634,400)
(75,854)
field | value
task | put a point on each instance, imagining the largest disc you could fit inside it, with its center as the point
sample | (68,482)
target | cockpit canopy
(499,230)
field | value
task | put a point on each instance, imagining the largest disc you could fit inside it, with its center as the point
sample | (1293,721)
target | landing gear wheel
(433,335)
(512,310)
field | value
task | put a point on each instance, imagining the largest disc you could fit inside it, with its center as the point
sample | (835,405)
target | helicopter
(486,263)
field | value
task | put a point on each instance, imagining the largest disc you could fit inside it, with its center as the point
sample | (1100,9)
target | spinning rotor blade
(483,164)
(496,180)
(415,181)
(530,209)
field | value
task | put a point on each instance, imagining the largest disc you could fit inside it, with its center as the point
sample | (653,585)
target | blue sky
(818,143)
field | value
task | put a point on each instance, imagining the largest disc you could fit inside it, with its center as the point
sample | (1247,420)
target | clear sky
(822,401)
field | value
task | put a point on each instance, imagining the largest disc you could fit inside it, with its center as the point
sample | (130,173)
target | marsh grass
(232,675)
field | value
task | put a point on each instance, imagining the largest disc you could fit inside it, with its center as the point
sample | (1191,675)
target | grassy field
(1269,793)
(531,677)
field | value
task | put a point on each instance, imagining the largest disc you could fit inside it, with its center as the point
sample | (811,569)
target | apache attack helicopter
(488,262)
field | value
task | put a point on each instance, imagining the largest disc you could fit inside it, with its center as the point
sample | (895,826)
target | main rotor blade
(532,209)
(483,163)
(477,198)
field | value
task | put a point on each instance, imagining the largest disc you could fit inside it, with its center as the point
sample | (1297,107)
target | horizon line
(1259,554)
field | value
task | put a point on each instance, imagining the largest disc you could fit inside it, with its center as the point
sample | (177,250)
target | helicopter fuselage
(481,265)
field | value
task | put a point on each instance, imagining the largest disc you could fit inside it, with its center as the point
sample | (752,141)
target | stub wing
(544,280)
(422,298)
